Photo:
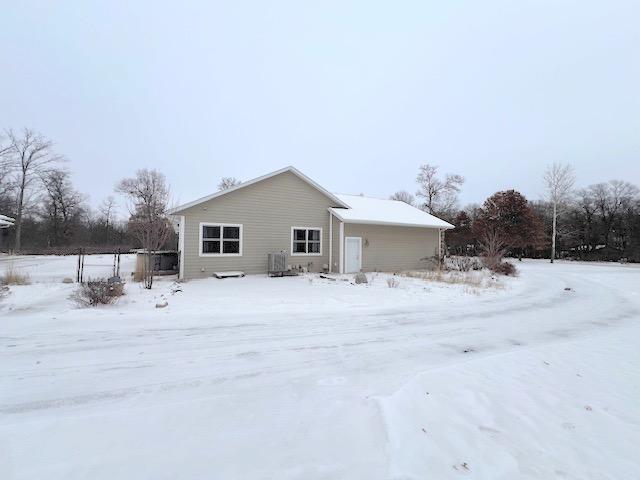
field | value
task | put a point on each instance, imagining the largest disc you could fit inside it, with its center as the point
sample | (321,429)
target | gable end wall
(267,210)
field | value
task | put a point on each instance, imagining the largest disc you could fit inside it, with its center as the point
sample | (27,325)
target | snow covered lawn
(54,268)
(309,378)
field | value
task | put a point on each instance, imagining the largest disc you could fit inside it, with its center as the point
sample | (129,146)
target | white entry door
(352,254)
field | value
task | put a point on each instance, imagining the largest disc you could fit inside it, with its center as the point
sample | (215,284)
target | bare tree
(228,182)
(30,156)
(587,208)
(148,195)
(6,185)
(559,181)
(107,210)
(5,157)
(403,196)
(440,196)
(62,207)
(610,200)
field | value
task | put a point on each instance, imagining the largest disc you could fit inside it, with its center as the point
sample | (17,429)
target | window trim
(221,225)
(306,241)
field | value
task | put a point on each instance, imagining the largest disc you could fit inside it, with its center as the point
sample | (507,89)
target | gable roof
(290,169)
(377,211)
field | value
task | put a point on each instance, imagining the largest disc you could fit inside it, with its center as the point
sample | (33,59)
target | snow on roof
(6,222)
(358,209)
(385,212)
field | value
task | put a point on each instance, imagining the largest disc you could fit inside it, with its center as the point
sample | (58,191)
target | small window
(220,239)
(306,241)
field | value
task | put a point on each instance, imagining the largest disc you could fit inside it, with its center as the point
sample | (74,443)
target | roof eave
(448,226)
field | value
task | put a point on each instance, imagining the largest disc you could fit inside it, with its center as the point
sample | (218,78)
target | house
(286,211)
(5,223)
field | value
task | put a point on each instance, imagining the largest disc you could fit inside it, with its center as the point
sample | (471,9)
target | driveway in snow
(308,378)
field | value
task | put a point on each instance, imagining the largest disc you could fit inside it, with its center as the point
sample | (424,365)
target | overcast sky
(355,94)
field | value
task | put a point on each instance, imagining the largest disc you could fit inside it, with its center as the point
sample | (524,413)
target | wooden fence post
(78,268)
(81,266)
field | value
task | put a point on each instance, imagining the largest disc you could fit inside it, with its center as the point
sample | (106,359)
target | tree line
(52,216)
(596,222)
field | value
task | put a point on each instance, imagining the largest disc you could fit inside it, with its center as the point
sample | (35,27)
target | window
(306,241)
(220,239)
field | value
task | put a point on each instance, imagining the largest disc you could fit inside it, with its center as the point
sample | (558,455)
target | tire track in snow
(414,335)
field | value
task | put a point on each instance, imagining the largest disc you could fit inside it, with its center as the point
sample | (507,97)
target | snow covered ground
(54,268)
(308,378)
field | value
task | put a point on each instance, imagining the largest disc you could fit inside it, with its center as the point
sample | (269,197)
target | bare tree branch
(403,196)
(228,182)
(441,196)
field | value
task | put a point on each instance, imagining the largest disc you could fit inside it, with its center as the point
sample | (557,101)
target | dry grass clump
(393,282)
(475,279)
(13,276)
(67,280)
(97,292)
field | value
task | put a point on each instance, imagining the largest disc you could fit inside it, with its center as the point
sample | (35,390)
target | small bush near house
(500,267)
(97,292)
(12,276)
(493,250)
(462,264)
(507,268)
(393,282)
(360,278)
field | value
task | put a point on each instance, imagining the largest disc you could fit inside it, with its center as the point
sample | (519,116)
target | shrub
(506,268)
(492,262)
(462,264)
(431,263)
(497,265)
(12,276)
(493,249)
(360,278)
(97,292)
(393,282)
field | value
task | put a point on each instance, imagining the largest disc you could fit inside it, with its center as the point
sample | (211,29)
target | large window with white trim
(306,241)
(220,240)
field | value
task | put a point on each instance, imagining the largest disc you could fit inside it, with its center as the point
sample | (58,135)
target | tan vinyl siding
(335,256)
(392,249)
(267,210)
